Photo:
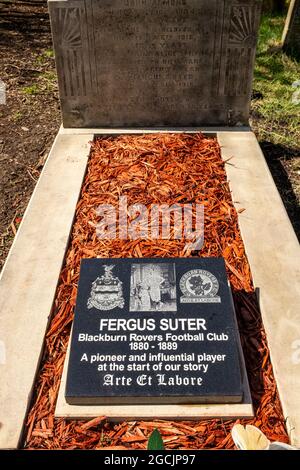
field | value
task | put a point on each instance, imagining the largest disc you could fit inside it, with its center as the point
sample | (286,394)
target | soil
(31,118)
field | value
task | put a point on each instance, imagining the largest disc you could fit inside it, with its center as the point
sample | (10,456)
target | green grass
(32,89)
(49,81)
(49,53)
(275,117)
(46,82)
(45,56)
(17,116)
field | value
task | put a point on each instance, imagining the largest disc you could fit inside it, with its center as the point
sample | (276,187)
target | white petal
(239,436)
(256,439)
(249,438)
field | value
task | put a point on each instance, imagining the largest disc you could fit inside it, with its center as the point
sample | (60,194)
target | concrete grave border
(29,278)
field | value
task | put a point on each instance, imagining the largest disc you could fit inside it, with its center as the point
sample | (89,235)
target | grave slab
(274,263)
(270,260)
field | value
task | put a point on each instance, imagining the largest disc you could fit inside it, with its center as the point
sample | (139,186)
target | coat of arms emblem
(107,291)
(199,286)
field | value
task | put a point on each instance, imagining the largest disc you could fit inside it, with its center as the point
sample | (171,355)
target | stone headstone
(291,33)
(154,331)
(154,63)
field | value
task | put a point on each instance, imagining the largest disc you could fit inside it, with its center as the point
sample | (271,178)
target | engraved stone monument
(291,33)
(154,331)
(150,63)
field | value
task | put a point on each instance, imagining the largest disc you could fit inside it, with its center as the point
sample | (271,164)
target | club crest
(107,291)
(199,286)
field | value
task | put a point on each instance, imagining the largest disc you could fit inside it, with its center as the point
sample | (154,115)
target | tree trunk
(274,6)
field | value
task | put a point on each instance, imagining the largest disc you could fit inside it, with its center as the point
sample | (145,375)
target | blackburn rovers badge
(199,286)
(107,291)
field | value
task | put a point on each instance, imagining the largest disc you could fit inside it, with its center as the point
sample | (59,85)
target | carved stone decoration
(144,63)
(69,30)
(71,34)
(241,43)
(242,26)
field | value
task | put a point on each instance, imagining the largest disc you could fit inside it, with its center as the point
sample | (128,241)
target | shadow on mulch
(27,20)
(275,155)
(253,341)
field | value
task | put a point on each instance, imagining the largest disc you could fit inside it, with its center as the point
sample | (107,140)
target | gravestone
(154,331)
(291,33)
(154,63)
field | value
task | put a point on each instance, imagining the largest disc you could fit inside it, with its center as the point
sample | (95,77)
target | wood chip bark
(160,169)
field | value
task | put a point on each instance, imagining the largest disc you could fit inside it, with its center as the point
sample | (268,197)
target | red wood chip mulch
(156,168)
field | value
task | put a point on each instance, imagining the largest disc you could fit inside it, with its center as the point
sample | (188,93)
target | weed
(31,89)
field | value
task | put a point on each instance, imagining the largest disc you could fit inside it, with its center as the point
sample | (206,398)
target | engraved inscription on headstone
(147,63)
(154,331)
(291,33)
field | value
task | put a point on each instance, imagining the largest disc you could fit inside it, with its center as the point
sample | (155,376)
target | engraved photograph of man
(153,287)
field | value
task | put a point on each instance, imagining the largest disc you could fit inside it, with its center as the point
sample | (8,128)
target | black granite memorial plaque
(154,331)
